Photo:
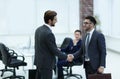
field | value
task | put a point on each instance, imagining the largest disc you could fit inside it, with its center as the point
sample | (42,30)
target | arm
(78,53)
(102,49)
(67,47)
(50,41)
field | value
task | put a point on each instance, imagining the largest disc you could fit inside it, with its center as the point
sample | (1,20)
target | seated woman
(73,46)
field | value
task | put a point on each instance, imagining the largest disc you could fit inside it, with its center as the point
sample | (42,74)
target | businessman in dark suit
(93,48)
(45,47)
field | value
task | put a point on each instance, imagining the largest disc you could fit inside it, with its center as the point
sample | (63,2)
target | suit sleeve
(50,41)
(102,49)
(79,53)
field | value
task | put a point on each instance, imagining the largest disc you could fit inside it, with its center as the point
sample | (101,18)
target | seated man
(73,46)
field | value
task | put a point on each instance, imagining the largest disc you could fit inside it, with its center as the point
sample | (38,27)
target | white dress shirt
(91,32)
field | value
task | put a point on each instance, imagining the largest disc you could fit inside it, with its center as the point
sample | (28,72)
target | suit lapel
(92,37)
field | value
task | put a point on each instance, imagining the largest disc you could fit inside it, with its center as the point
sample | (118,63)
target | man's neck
(48,26)
(90,30)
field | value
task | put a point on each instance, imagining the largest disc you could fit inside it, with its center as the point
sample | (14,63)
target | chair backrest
(6,58)
(66,42)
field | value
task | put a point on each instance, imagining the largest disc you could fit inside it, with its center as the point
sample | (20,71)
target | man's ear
(49,21)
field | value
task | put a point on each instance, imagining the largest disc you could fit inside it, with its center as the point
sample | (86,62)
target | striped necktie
(86,46)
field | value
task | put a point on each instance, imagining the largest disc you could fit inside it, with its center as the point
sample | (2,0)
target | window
(109,16)
(24,16)
(68,14)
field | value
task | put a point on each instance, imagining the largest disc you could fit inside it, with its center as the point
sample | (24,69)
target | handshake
(70,57)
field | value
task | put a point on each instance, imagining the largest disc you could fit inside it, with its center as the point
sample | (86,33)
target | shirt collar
(91,32)
(49,26)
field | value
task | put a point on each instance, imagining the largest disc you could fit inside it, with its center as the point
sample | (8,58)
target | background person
(73,46)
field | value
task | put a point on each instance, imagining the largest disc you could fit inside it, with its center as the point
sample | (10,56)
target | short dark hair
(49,14)
(78,31)
(92,19)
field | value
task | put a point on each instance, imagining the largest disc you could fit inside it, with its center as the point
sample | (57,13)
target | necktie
(86,46)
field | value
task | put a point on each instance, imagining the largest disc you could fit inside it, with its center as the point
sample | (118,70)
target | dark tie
(86,47)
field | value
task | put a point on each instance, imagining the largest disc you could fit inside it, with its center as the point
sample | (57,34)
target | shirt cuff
(102,67)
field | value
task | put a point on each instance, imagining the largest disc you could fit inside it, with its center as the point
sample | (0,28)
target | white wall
(113,44)
(18,17)
(22,17)
(101,10)
(108,12)
(68,14)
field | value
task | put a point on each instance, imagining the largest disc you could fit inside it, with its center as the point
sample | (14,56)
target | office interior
(20,18)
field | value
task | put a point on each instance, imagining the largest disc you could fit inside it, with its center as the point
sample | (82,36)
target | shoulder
(98,33)
(43,29)
(39,28)
(79,41)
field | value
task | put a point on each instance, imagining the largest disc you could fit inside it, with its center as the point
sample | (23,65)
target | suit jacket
(46,48)
(71,48)
(96,50)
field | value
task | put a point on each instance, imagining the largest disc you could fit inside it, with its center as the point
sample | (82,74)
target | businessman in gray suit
(46,48)
(93,48)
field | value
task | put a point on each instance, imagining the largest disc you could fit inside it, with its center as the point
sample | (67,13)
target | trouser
(60,65)
(89,69)
(44,73)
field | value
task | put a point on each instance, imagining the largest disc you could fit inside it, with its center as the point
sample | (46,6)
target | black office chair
(5,69)
(68,68)
(65,42)
(9,58)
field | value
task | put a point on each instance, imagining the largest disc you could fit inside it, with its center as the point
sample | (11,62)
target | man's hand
(70,57)
(59,49)
(101,69)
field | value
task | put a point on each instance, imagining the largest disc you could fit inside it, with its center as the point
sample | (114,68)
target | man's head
(89,23)
(77,34)
(50,17)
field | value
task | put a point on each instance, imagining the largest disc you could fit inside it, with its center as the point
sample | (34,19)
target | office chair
(65,42)
(69,70)
(9,58)
(5,69)
(71,64)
